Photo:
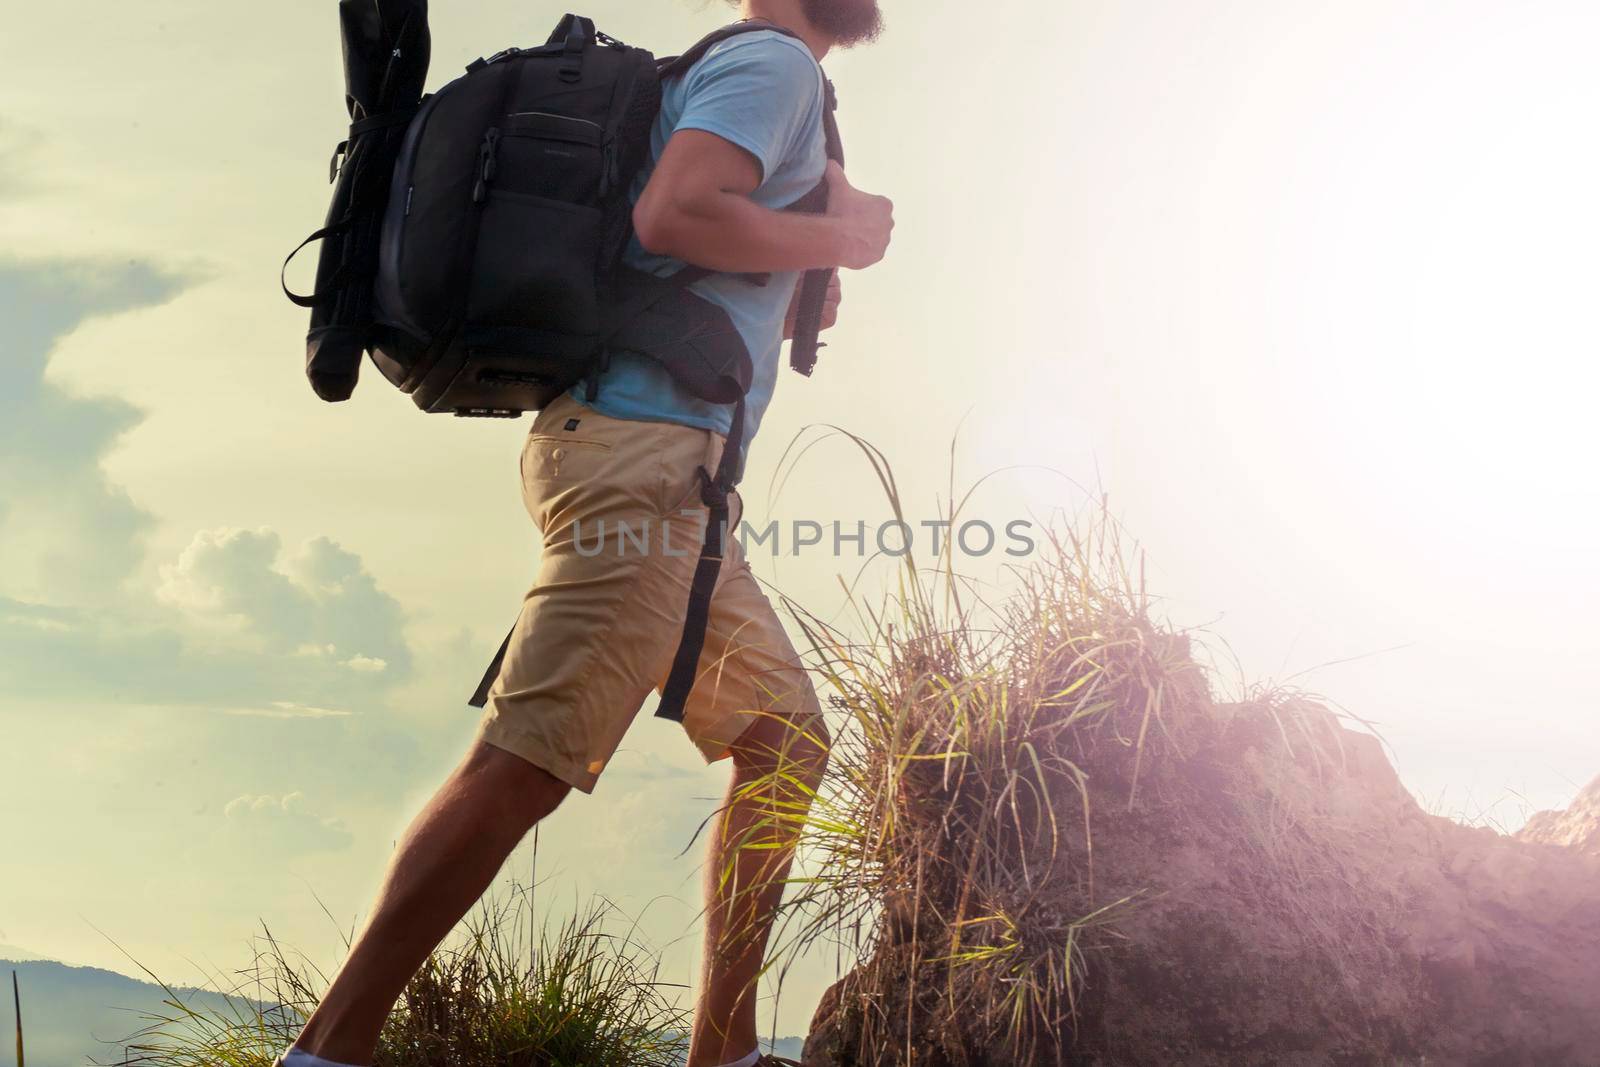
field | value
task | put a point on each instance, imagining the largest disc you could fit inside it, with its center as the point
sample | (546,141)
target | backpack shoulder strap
(673,66)
(814,285)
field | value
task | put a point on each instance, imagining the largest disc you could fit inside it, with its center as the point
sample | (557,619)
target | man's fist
(865,220)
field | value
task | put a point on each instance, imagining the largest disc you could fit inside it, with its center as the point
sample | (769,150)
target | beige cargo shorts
(618,503)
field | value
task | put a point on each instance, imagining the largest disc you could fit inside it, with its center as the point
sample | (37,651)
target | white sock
(746,1061)
(299,1058)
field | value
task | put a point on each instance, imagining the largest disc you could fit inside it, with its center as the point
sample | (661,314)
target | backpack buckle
(337,161)
(713,494)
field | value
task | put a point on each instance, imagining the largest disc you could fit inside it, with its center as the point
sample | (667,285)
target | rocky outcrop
(1276,897)
(1577,828)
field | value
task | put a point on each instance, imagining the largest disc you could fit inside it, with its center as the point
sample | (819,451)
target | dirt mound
(1578,827)
(1252,884)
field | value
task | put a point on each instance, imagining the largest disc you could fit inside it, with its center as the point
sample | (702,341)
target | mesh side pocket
(632,145)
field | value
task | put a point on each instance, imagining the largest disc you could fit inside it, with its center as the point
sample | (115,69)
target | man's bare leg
(449,856)
(744,886)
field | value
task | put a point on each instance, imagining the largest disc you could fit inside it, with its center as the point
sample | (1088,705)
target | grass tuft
(584,994)
(949,852)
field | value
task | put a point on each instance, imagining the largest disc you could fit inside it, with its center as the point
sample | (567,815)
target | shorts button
(557,455)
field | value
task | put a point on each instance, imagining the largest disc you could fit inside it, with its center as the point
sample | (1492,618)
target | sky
(1306,289)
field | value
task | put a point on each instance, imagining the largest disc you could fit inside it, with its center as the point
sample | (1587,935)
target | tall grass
(583,994)
(949,849)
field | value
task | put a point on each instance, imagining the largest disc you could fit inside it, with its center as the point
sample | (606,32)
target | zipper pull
(610,169)
(491,153)
(487,164)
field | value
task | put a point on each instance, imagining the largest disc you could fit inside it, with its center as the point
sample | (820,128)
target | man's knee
(797,741)
(521,792)
(814,728)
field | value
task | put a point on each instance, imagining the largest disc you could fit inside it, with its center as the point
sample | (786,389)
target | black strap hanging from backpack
(715,490)
(814,286)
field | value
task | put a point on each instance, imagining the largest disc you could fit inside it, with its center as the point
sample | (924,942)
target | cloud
(233,624)
(318,605)
(236,621)
(288,709)
(66,533)
(284,824)
(19,145)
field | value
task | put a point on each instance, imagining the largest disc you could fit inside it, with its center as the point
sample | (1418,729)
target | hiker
(739,137)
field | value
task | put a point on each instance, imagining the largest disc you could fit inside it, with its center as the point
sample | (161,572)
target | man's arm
(696,207)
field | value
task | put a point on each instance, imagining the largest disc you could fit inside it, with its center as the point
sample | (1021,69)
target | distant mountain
(787,1046)
(12,952)
(72,1015)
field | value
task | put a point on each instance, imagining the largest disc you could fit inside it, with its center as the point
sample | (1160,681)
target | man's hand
(830,307)
(865,220)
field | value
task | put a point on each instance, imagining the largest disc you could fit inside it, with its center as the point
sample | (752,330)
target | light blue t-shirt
(762,91)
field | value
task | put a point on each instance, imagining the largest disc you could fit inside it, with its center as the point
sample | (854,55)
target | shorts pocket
(547,458)
(570,476)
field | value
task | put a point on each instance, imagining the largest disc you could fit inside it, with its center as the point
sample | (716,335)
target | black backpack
(494,280)
(478,256)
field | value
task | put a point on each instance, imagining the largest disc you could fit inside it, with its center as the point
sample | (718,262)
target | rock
(1291,905)
(1578,827)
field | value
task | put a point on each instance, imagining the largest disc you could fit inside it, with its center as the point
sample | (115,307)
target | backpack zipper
(389,296)
(558,118)
(487,164)
(504,53)
(610,169)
